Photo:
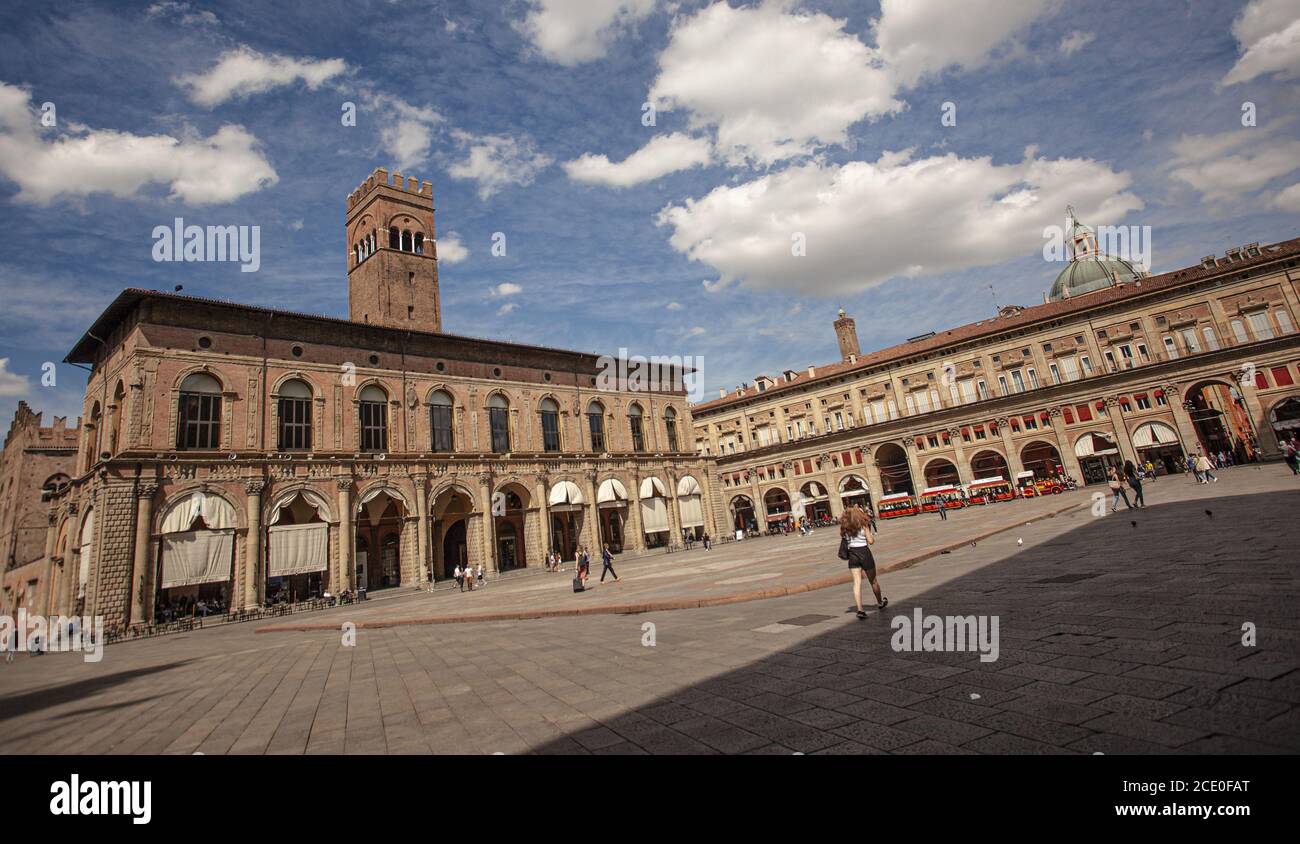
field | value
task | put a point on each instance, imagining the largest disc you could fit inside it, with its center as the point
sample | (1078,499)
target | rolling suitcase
(577,584)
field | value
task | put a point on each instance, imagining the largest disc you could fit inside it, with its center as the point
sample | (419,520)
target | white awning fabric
(298,549)
(216,512)
(197,556)
(654,515)
(310,498)
(565,492)
(813,491)
(847,479)
(1093,445)
(611,492)
(692,510)
(688,486)
(1154,434)
(651,487)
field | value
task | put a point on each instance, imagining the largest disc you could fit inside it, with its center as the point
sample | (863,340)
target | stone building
(1115,365)
(36,464)
(236,454)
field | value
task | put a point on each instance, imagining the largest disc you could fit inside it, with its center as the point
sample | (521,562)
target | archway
(742,514)
(198,555)
(566,504)
(508,526)
(895,475)
(611,505)
(990,464)
(816,501)
(1042,459)
(380,518)
(1285,418)
(690,507)
(654,512)
(1097,454)
(1220,420)
(452,508)
(776,506)
(297,548)
(854,492)
(1157,443)
(941,472)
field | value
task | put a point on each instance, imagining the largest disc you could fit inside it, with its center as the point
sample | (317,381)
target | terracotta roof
(1026,316)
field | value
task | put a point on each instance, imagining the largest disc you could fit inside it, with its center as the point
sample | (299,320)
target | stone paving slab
(1113,639)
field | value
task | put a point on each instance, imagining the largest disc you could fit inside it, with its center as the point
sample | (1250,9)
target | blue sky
(775,122)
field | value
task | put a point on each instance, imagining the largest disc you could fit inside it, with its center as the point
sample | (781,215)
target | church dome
(1089,274)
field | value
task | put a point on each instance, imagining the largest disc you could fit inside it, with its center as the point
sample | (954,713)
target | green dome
(1088,274)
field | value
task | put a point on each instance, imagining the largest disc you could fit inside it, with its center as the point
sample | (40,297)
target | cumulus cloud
(1268,35)
(243,71)
(920,38)
(1232,164)
(662,155)
(772,84)
(11,384)
(497,161)
(506,308)
(406,130)
(186,13)
(674,306)
(81,161)
(507,288)
(1289,199)
(864,223)
(569,32)
(1076,41)
(451,250)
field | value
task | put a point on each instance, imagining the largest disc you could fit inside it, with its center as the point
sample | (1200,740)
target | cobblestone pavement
(1120,634)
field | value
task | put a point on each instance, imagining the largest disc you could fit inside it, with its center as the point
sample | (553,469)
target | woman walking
(1117,491)
(1135,481)
(856,537)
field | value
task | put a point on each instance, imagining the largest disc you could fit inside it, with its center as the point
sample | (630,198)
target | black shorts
(860,558)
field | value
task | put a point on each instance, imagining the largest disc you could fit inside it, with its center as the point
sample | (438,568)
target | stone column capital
(254,486)
(146,489)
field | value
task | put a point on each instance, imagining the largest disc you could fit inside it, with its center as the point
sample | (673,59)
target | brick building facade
(229,452)
(1115,365)
(37,463)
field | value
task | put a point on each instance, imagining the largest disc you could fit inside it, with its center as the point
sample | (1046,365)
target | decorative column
(1064,446)
(674,516)
(913,467)
(1182,420)
(1116,413)
(875,487)
(543,513)
(487,537)
(347,542)
(832,491)
(422,542)
(253,579)
(1014,466)
(1265,436)
(632,530)
(964,475)
(140,569)
(591,516)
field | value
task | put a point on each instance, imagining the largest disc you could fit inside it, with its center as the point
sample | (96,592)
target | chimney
(846,332)
(722,392)
(812,372)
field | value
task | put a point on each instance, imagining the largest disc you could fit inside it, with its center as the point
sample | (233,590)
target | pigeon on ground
(1020,542)
(1134,524)
(1208,513)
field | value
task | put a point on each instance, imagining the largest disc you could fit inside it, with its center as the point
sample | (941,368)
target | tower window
(419,243)
(410,312)
(394,238)
(406,241)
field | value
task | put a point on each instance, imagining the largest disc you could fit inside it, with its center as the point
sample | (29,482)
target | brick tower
(392,254)
(847,333)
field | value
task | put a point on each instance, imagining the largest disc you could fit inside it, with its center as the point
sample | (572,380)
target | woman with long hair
(1134,479)
(855,531)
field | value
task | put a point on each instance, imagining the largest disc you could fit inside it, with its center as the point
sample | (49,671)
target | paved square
(1119,634)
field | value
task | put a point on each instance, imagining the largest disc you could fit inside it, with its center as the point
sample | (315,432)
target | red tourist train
(989,490)
(952,496)
(896,505)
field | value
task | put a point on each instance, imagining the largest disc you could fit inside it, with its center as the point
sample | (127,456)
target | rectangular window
(1033,378)
(1282,376)
(848,416)
(911,404)
(1085,412)
(499,424)
(839,421)
(1211,341)
(1170,348)
(893,409)
(374,426)
(551,431)
(1143,403)
(1126,355)
(671,425)
(1031,424)
(1069,368)
(966,386)
(1239,331)
(982,389)
(1018,380)
(1087,364)
(1260,326)
(638,434)
(200,421)
(1002,383)
(1284,324)
(440,424)
(1190,341)
(1110,361)
(1056,373)
(295,424)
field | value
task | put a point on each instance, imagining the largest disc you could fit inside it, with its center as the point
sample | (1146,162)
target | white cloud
(570,32)
(451,250)
(506,308)
(81,161)
(497,161)
(243,71)
(186,13)
(296,225)
(662,155)
(867,222)
(1268,34)
(920,38)
(406,130)
(674,306)
(507,288)
(1288,199)
(1232,164)
(11,384)
(1076,41)
(772,84)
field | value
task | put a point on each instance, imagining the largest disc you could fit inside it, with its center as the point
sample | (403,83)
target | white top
(859,541)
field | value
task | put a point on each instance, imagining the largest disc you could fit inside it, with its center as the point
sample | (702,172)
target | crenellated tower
(392,254)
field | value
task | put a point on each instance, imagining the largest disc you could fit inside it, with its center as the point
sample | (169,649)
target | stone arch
(285,495)
(988,462)
(452,485)
(201,369)
(296,375)
(182,493)
(940,471)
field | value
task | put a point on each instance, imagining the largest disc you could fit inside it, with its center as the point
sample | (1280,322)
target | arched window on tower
(419,243)
(394,238)
(198,417)
(115,418)
(406,240)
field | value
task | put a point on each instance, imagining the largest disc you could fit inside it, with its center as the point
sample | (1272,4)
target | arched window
(394,238)
(294,406)
(499,422)
(635,421)
(550,412)
(115,418)
(419,243)
(199,413)
(596,425)
(670,424)
(373,406)
(406,240)
(92,435)
(440,422)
